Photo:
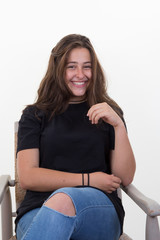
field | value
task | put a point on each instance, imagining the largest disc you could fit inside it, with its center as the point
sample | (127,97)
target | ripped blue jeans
(95,219)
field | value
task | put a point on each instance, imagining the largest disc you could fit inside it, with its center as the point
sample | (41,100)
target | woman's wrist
(120,125)
(85,179)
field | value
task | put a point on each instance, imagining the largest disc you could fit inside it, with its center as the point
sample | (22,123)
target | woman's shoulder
(32,116)
(33,111)
(30,126)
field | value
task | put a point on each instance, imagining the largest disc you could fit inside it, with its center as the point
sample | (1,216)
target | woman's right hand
(104,181)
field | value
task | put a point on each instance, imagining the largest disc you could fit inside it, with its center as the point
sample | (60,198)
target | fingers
(116,179)
(114,183)
(104,181)
(96,112)
(93,112)
(96,115)
(93,108)
(100,110)
(105,112)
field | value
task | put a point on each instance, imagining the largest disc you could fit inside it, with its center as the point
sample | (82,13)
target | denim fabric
(95,219)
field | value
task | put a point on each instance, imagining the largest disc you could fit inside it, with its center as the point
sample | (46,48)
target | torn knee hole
(62,203)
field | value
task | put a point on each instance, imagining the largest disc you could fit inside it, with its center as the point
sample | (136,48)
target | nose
(80,73)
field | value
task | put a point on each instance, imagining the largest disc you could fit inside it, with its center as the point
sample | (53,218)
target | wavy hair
(53,93)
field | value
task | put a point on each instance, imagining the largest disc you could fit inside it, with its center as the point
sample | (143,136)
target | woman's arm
(122,158)
(33,178)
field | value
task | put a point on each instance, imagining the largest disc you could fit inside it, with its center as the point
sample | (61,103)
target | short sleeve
(29,129)
(112,137)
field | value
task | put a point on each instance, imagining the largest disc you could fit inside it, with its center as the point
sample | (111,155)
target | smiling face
(78,72)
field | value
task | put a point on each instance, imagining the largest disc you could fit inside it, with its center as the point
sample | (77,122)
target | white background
(126,37)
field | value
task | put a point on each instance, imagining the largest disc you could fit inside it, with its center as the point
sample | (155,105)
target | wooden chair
(149,206)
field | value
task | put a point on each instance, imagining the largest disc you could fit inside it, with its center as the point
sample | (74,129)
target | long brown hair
(54,95)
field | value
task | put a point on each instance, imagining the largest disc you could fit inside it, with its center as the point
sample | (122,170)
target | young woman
(73,152)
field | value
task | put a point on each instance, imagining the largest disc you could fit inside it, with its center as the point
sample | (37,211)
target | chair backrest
(19,192)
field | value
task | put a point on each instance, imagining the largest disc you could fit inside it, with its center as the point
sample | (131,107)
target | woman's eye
(71,66)
(88,66)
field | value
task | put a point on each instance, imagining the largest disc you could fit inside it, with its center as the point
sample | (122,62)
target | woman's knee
(62,203)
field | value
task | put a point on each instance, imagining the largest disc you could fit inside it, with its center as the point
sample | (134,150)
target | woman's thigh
(96,217)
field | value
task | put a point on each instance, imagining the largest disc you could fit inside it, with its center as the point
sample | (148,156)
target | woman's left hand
(104,111)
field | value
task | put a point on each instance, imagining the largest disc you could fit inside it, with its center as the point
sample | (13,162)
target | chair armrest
(6,206)
(149,206)
(5,181)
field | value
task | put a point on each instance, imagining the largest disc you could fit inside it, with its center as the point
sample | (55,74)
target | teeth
(78,83)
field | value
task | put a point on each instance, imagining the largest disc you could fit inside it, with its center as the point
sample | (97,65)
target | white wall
(126,36)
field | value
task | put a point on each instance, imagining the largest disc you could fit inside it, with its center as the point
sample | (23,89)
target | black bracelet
(88,178)
(82,179)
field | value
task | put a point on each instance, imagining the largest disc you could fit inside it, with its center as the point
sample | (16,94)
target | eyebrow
(77,62)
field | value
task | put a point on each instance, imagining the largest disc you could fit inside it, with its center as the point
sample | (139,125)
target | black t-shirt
(68,142)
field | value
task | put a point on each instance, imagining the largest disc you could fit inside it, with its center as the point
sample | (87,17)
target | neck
(77,99)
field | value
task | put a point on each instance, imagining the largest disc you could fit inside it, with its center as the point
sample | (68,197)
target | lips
(79,83)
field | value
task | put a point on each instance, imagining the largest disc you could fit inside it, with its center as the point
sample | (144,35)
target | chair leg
(6,214)
(152,228)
